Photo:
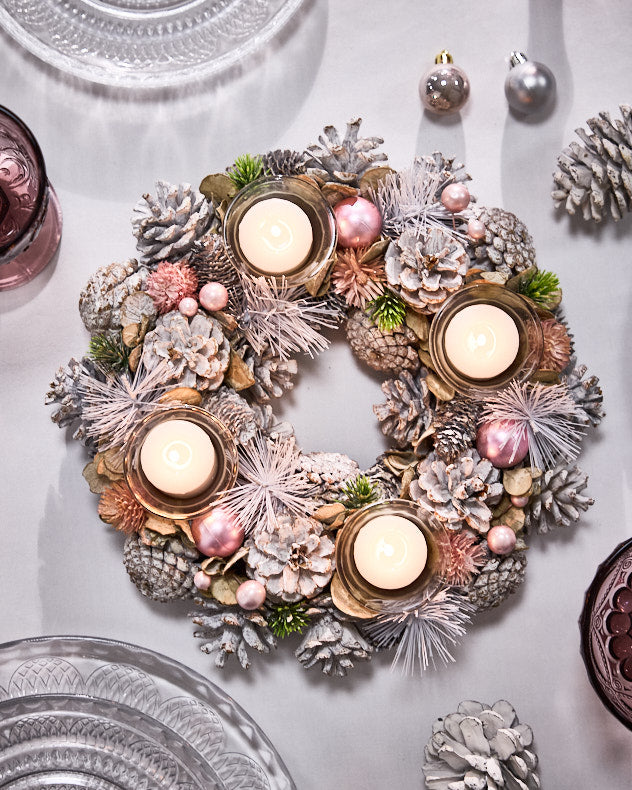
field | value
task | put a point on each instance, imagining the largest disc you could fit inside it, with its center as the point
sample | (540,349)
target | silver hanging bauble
(530,86)
(445,88)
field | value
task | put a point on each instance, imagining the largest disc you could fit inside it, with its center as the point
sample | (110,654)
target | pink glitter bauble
(476,229)
(519,501)
(188,306)
(496,441)
(213,296)
(455,197)
(202,581)
(359,222)
(501,539)
(218,533)
(250,595)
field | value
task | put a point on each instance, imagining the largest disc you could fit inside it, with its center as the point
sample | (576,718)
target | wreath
(183,325)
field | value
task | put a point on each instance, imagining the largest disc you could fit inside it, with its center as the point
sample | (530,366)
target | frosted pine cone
(64,391)
(586,392)
(455,424)
(101,299)
(424,271)
(388,482)
(210,261)
(345,160)
(328,472)
(390,351)
(557,499)
(283,162)
(458,492)
(497,580)
(507,246)
(273,375)
(557,346)
(196,353)
(160,573)
(596,175)
(231,630)
(167,225)
(451,172)
(232,411)
(481,747)
(294,561)
(408,410)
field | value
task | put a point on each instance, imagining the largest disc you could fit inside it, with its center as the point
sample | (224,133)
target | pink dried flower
(461,555)
(169,284)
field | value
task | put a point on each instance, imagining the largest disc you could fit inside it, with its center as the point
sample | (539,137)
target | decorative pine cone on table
(497,580)
(273,375)
(167,225)
(408,410)
(196,353)
(230,631)
(557,499)
(425,270)
(294,561)
(460,492)
(481,747)
(101,299)
(455,424)
(451,172)
(162,573)
(343,160)
(328,472)
(389,484)
(210,261)
(233,411)
(284,162)
(390,351)
(65,392)
(586,392)
(507,246)
(596,176)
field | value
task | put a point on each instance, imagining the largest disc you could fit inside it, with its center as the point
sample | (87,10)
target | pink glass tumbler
(30,216)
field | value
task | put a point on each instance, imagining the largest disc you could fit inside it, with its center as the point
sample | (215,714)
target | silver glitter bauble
(445,88)
(530,86)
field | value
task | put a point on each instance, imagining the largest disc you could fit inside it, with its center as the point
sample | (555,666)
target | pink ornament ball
(202,581)
(519,501)
(218,533)
(501,539)
(188,306)
(495,441)
(213,296)
(359,222)
(250,595)
(476,229)
(455,197)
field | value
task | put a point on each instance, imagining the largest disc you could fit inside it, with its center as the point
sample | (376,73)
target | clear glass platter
(144,43)
(95,714)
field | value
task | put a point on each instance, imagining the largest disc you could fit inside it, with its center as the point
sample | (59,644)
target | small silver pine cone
(507,246)
(481,747)
(167,225)
(557,499)
(597,175)
(497,580)
(231,630)
(101,299)
(586,392)
(389,351)
(458,492)
(344,160)
(232,411)
(160,573)
(455,424)
(210,261)
(273,375)
(408,410)
(390,485)
(425,270)
(283,162)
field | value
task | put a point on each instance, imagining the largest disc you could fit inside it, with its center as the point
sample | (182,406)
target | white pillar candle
(275,236)
(390,552)
(481,341)
(178,458)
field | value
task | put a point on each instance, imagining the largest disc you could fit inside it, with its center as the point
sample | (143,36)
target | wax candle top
(275,236)
(178,458)
(390,552)
(481,341)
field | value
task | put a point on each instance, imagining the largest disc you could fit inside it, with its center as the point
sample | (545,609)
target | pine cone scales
(586,392)
(557,499)
(389,351)
(211,263)
(104,293)
(283,162)
(332,643)
(232,411)
(160,573)
(344,161)
(497,580)
(455,424)
(597,175)
(408,410)
(507,246)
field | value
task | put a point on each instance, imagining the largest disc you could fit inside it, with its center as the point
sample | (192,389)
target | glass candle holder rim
(42,188)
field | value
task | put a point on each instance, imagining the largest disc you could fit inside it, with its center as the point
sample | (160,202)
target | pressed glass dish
(95,714)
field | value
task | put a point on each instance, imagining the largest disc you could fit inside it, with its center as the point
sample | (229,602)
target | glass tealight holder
(310,200)
(157,501)
(375,598)
(30,216)
(521,312)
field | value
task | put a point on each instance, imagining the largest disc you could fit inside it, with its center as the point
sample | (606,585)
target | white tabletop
(62,568)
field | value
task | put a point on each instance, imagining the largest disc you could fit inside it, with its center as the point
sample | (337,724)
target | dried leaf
(346,603)
(223,588)
(334,192)
(186,395)
(375,251)
(218,187)
(515,283)
(546,377)
(131,335)
(498,278)
(228,321)
(399,460)
(329,513)
(407,478)
(133,359)
(163,526)
(419,324)
(98,483)
(513,517)
(517,482)
(425,358)
(319,284)
(439,388)
(238,376)
(186,528)
(371,178)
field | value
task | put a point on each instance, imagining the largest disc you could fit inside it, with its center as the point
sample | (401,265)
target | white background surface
(62,570)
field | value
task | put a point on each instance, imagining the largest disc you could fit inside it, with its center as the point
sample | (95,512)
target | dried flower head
(169,284)
(357,279)
(462,553)
(118,507)
(557,346)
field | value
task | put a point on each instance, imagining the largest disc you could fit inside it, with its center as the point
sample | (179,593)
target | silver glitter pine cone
(557,499)
(497,580)
(160,573)
(507,246)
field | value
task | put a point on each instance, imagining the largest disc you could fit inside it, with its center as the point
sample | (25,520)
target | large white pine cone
(104,293)
(557,499)
(347,159)
(408,410)
(507,246)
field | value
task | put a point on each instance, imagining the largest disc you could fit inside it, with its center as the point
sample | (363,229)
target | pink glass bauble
(250,595)
(496,441)
(202,581)
(218,533)
(519,501)
(476,229)
(501,539)
(359,222)
(188,306)
(213,296)
(455,197)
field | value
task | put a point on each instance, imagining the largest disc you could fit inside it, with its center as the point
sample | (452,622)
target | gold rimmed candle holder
(157,501)
(310,200)
(378,599)
(521,312)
